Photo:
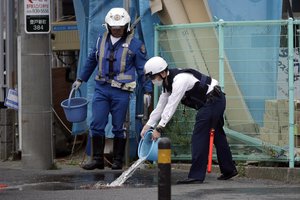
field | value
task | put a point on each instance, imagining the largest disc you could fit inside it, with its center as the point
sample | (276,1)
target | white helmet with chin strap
(155,65)
(117,17)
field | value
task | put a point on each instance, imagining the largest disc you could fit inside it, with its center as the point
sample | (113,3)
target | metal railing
(256,63)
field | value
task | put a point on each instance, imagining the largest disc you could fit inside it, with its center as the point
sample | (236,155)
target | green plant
(241,169)
(54,167)
(180,127)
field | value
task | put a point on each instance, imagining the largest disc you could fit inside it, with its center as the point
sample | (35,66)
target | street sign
(37,16)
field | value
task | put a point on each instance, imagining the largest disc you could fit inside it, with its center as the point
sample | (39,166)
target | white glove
(76,84)
(147,100)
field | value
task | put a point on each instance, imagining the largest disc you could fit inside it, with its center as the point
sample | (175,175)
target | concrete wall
(7,131)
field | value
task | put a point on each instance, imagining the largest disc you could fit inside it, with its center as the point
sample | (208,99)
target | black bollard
(164,166)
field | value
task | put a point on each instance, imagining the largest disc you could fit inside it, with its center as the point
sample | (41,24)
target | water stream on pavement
(124,176)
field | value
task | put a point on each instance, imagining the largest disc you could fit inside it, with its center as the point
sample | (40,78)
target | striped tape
(164,156)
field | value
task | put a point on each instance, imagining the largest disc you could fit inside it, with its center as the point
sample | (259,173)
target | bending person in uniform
(119,56)
(202,93)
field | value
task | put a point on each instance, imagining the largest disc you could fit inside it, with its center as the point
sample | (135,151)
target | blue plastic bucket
(75,108)
(148,148)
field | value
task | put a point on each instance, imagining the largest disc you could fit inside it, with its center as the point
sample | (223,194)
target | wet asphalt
(72,182)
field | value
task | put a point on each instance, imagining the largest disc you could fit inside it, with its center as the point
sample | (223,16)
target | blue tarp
(259,66)
(90,15)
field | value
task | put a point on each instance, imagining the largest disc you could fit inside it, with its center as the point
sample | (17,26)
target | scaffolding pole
(2,54)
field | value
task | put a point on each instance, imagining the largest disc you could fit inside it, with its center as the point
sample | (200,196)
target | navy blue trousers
(210,116)
(107,100)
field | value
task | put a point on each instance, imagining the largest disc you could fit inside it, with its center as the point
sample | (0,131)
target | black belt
(216,92)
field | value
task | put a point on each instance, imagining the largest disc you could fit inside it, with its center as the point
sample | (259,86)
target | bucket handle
(71,94)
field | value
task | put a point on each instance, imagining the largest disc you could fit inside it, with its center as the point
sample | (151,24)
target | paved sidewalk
(71,182)
(283,174)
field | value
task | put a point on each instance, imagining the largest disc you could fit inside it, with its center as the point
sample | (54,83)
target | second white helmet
(117,17)
(155,65)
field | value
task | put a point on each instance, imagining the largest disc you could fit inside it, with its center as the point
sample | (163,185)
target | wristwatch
(159,129)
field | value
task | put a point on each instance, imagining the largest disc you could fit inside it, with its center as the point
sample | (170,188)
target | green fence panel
(263,111)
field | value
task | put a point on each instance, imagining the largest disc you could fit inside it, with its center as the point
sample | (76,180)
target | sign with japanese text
(283,74)
(37,16)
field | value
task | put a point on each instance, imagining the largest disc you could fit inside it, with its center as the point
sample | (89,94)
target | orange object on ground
(3,185)
(210,152)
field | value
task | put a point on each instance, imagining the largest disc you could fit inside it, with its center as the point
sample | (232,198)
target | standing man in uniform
(202,93)
(118,56)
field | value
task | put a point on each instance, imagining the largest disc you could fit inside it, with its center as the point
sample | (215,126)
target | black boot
(118,154)
(97,161)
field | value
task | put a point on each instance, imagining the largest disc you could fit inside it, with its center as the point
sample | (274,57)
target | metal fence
(257,65)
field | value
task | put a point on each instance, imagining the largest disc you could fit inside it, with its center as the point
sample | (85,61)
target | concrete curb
(288,175)
(284,174)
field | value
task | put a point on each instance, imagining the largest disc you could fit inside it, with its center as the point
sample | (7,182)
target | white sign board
(283,74)
(11,100)
(37,16)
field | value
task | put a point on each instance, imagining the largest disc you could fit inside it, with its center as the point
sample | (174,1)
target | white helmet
(155,65)
(117,17)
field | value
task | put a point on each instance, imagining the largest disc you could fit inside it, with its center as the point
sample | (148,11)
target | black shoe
(118,154)
(117,165)
(93,164)
(97,147)
(189,181)
(228,176)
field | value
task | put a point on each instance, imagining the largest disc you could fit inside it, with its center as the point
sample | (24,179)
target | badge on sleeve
(143,49)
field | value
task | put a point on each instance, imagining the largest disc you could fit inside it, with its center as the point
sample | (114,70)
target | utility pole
(34,86)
